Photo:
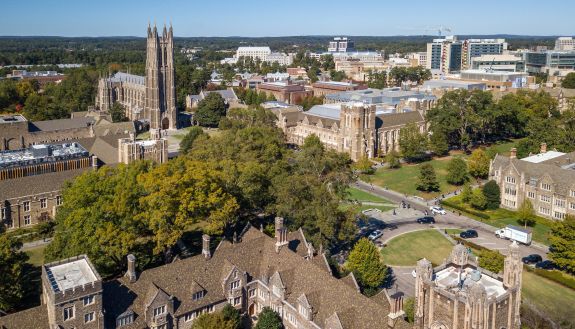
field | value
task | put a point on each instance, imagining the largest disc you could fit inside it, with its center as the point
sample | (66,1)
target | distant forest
(126,50)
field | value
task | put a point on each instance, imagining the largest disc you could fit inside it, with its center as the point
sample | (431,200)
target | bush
(478,200)
(492,195)
(491,260)
(269,319)
(464,209)
(409,308)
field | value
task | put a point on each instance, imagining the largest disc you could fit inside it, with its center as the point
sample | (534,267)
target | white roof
(70,275)
(541,157)
(267,49)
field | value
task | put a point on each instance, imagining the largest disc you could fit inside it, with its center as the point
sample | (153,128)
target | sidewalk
(35,244)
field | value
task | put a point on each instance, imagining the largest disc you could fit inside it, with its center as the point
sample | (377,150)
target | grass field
(503,217)
(552,298)
(368,200)
(407,249)
(36,255)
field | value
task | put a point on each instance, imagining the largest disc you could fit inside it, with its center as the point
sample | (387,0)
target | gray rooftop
(126,77)
(42,153)
(69,275)
(12,118)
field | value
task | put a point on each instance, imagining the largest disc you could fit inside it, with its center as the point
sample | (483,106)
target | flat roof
(70,275)
(41,153)
(12,118)
(542,157)
(451,280)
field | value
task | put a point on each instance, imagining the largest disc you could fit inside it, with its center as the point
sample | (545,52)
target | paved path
(35,244)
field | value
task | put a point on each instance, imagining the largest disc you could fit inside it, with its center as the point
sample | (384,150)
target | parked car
(468,234)
(532,259)
(426,220)
(414,274)
(437,210)
(374,235)
(545,265)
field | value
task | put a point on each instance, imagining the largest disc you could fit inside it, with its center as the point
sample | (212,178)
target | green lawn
(407,249)
(36,255)
(360,195)
(503,217)
(552,298)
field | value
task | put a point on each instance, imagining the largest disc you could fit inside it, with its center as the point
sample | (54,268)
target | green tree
(569,81)
(562,237)
(392,159)
(478,200)
(188,140)
(118,113)
(269,319)
(210,110)
(491,260)
(526,214)
(412,142)
(366,263)
(409,309)
(227,318)
(364,166)
(427,179)
(438,143)
(478,164)
(337,75)
(377,80)
(456,171)
(466,193)
(492,194)
(13,281)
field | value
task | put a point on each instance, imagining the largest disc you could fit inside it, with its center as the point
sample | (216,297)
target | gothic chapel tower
(160,104)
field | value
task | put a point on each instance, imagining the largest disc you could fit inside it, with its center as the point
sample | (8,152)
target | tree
(409,308)
(227,318)
(118,113)
(367,265)
(438,143)
(13,281)
(427,178)
(569,81)
(337,75)
(269,319)
(491,260)
(210,110)
(561,237)
(412,142)
(456,171)
(188,140)
(478,164)
(466,193)
(492,194)
(478,200)
(526,214)
(392,159)
(377,80)
(364,165)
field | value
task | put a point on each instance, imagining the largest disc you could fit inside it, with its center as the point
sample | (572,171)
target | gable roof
(398,119)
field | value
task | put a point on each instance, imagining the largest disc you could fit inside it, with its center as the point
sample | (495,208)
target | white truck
(519,234)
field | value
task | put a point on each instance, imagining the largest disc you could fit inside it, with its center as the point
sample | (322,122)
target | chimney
(396,312)
(131,273)
(513,154)
(281,233)
(543,148)
(206,246)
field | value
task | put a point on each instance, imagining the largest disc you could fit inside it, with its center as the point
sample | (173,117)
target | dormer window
(160,310)
(125,319)
(198,295)
(235,285)
(303,311)
(546,186)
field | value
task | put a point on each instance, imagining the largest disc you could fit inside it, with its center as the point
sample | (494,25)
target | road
(404,221)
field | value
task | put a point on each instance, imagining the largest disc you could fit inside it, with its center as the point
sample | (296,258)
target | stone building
(354,128)
(322,88)
(154,149)
(31,179)
(284,91)
(151,98)
(251,272)
(461,295)
(546,179)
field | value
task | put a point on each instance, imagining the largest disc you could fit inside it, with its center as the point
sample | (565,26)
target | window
(236,301)
(303,311)
(572,205)
(531,195)
(27,220)
(510,180)
(189,317)
(3,214)
(262,294)
(252,293)
(560,203)
(573,193)
(88,300)
(235,285)
(291,319)
(125,320)
(544,211)
(546,186)
(68,313)
(26,205)
(43,203)
(210,309)
(88,317)
(198,295)
(510,191)
(160,310)
(559,215)
(58,200)
(545,198)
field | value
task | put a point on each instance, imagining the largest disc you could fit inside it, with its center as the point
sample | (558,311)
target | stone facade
(460,295)
(151,98)
(546,179)
(155,149)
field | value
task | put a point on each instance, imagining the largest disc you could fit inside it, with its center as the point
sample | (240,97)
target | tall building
(450,55)
(565,44)
(151,98)
(477,47)
(341,45)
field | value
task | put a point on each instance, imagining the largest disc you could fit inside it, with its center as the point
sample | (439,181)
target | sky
(256,18)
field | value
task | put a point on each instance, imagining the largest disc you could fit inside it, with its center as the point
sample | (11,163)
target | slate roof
(398,119)
(256,255)
(36,318)
(104,147)
(30,185)
(61,124)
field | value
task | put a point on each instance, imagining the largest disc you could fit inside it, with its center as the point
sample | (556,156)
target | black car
(468,234)
(426,220)
(532,259)
(546,265)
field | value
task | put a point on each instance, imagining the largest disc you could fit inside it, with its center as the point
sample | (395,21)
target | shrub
(464,209)
(478,200)
(456,171)
(492,195)
(491,260)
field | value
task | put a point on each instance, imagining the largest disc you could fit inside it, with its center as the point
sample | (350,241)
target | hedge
(464,209)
